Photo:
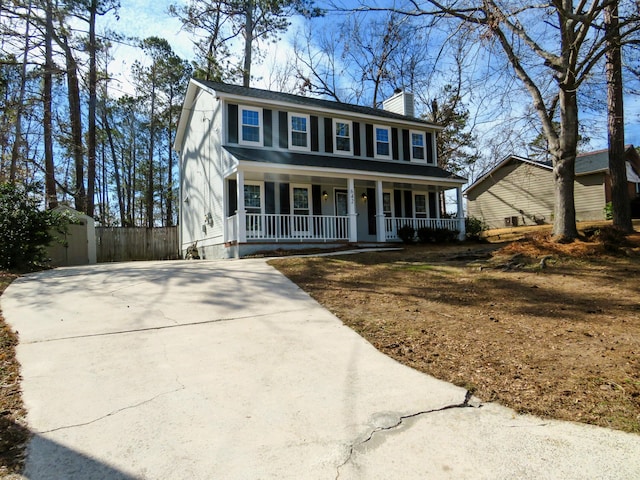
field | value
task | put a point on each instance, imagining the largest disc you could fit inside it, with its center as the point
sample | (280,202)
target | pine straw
(13,432)
(560,342)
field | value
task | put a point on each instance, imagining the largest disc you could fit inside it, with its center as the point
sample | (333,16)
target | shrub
(25,229)
(474,228)
(608,211)
(437,235)
(407,234)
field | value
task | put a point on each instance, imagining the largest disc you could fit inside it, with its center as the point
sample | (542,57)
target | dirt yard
(560,340)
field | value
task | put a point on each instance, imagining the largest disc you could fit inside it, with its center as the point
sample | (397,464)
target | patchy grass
(13,433)
(559,341)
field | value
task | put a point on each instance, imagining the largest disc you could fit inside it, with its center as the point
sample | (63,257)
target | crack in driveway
(115,412)
(401,419)
(163,327)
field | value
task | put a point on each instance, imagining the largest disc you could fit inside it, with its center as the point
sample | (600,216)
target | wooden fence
(117,244)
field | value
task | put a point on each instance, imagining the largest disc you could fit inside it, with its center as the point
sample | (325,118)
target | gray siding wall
(202,167)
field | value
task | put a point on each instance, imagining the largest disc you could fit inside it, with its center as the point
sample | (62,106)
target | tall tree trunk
(75,114)
(617,162)
(15,151)
(91,132)
(152,137)
(50,180)
(116,167)
(564,161)
(248,42)
(169,221)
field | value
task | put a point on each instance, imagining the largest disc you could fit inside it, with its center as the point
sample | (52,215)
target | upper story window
(383,142)
(418,146)
(342,139)
(250,126)
(299,132)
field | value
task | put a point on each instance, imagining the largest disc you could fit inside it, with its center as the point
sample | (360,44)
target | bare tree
(615,112)
(556,44)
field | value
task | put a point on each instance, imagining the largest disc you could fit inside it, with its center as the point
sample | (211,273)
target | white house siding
(517,190)
(202,215)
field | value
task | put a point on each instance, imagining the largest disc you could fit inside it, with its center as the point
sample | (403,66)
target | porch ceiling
(308,166)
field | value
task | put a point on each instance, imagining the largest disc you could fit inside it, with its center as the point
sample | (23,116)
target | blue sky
(143,18)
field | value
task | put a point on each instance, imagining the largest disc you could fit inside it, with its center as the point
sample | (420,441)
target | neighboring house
(520,191)
(261,170)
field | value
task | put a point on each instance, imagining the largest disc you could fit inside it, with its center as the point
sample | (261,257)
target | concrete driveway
(226,370)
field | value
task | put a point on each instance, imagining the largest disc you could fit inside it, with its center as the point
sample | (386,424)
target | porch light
(325,195)
(364,197)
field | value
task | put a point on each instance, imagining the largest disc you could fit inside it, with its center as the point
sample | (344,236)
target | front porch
(270,209)
(320,228)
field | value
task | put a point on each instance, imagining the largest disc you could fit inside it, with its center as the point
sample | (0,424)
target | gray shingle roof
(285,157)
(307,101)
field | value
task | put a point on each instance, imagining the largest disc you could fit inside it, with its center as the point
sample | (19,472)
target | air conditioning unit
(510,221)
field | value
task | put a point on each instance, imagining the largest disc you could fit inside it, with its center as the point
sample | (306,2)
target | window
(383,142)
(250,127)
(386,204)
(420,205)
(301,202)
(253,206)
(253,198)
(417,146)
(342,136)
(299,132)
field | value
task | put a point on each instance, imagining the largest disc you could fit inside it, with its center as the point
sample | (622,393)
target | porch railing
(276,227)
(393,224)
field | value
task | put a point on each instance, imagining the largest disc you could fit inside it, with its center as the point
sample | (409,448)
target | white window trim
(375,142)
(424,145)
(241,141)
(308,188)
(426,204)
(335,137)
(391,202)
(308,132)
(261,185)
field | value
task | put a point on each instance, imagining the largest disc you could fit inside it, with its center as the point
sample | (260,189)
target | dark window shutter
(432,205)
(408,204)
(316,199)
(406,145)
(269,197)
(233,123)
(283,129)
(268,128)
(356,139)
(285,204)
(397,203)
(394,143)
(328,135)
(371,210)
(369,139)
(315,141)
(429,142)
(232,193)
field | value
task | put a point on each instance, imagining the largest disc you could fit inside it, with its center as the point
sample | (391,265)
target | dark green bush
(437,235)
(474,228)
(407,234)
(25,227)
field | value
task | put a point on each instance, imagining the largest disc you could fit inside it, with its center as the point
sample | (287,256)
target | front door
(342,210)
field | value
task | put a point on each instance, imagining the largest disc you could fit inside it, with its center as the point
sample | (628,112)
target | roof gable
(504,162)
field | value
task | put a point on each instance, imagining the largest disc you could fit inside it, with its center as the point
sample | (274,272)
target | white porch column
(241,213)
(351,210)
(461,227)
(380,223)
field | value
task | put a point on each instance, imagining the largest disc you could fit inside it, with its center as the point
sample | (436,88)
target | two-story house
(262,170)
